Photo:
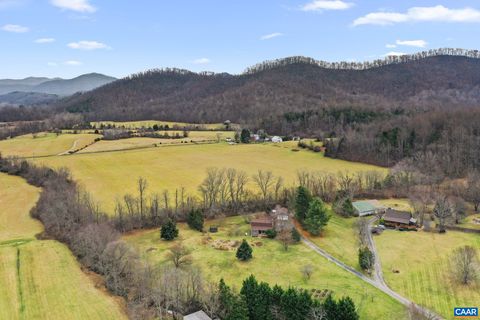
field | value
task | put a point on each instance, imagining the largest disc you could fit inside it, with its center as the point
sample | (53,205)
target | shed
(368,207)
(199,315)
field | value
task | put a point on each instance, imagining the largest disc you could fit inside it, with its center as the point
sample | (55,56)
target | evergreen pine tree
(330,307)
(302,201)
(296,237)
(244,252)
(346,309)
(195,220)
(366,259)
(317,217)
(347,208)
(233,306)
(169,230)
(245,136)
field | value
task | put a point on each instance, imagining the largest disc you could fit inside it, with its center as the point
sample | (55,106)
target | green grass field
(112,174)
(16,200)
(42,279)
(422,260)
(44,144)
(270,263)
(134,143)
(340,240)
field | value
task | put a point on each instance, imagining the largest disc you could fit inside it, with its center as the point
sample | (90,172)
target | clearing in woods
(215,255)
(418,265)
(42,279)
(112,174)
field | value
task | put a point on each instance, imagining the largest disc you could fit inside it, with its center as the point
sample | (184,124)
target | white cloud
(271,36)
(15,28)
(420,14)
(74,5)
(321,5)
(391,46)
(201,61)
(88,45)
(72,63)
(44,40)
(394,53)
(412,43)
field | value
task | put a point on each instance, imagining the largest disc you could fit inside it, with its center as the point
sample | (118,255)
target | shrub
(244,251)
(195,220)
(271,233)
(366,258)
(296,237)
(169,230)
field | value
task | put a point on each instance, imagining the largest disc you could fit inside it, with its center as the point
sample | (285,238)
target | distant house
(368,207)
(261,225)
(277,139)
(255,137)
(199,315)
(399,219)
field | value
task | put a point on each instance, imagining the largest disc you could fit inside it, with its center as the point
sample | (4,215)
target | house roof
(363,206)
(199,315)
(397,216)
(262,223)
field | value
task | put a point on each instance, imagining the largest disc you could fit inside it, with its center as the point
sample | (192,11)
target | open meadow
(418,264)
(44,144)
(42,279)
(112,174)
(214,253)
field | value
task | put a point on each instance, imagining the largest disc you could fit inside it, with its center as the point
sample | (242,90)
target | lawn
(270,263)
(422,260)
(42,279)
(340,240)
(112,174)
(44,144)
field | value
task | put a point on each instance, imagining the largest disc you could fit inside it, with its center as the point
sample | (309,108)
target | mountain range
(292,86)
(49,86)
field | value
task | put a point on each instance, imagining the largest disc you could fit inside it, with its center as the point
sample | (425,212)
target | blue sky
(66,38)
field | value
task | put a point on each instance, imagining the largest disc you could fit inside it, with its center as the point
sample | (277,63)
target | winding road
(71,149)
(378,280)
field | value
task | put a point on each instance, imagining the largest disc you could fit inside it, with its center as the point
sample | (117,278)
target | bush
(244,252)
(296,237)
(169,230)
(195,220)
(366,259)
(271,233)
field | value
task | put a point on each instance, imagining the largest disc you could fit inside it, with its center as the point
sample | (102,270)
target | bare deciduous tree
(442,211)
(179,255)
(465,264)
(307,271)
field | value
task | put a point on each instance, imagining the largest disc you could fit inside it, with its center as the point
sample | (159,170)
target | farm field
(268,264)
(151,123)
(422,260)
(468,222)
(44,144)
(144,142)
(16,199)
(41,279)
(112,174)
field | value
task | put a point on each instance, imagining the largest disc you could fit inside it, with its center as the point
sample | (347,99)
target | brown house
(399,219)
(261,225)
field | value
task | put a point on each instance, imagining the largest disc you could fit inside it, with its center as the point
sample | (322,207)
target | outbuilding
(277,139)
(368,207)
(399,219)
(199,315)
